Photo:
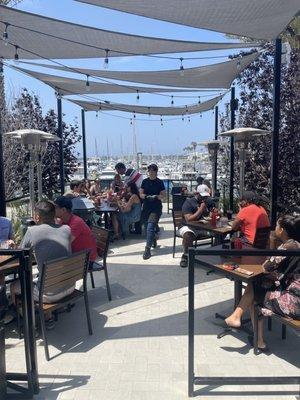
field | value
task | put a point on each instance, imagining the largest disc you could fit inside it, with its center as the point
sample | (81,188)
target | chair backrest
(64,272)
(262,237)
(177,218)
(102,240)
(177,201)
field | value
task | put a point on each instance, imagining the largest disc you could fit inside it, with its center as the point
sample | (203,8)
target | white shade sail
(214,76)
(51,38)
(258,19)
(135,109)
(70,86)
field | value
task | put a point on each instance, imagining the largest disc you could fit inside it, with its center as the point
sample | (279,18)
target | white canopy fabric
(259,19)
(51,38)
(134,109)
(214,76)
(70,86)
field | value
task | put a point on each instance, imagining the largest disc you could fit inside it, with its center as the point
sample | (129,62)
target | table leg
(106,220)
(191,350)
(3,384)
(29,323)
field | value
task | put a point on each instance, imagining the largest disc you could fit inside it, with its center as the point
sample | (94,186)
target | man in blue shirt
(6,229)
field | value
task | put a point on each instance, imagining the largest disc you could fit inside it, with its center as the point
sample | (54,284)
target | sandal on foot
(266,350)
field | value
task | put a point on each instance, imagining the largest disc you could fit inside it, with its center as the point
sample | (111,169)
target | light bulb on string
(130,121)
(137,96)
(87,83)
(105,64)
(172,101)
(200,115)
(5,35)
(189,119)
(149,112)
(182,118)
(134,116)
(181,67)
(199,100)
(16,58)
(161,121)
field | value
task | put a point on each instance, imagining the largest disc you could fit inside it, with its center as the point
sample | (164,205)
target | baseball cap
(64,202)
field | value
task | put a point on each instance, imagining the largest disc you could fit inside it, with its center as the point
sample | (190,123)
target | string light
(181,67)
(87,83)
(161,121)
(172,101)
(5,35)
(137,96)
(189,119)
(106,59)
(149,113)
(130,121)
(199,100)
(134,116)
(200,115)
(16,54)
(182,118)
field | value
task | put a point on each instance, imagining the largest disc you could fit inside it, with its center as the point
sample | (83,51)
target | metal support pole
(215,168)
(61,146)
(168,195)
(2,184)
(232,125)
(3,383)
(31,185)
(275,133)
(242,159)
(85,169)
(39,178)
(191,332)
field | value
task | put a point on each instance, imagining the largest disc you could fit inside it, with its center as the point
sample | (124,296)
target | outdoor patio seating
(177,219)
(61,273)
(102,240)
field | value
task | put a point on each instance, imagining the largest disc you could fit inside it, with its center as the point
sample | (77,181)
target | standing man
(152,192)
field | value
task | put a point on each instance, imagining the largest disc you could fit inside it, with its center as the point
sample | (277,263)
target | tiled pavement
(139,347)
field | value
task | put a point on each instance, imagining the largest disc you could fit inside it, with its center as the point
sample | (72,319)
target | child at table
(278,291)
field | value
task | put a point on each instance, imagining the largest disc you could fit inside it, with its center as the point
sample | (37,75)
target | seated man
(6,231)
(193,209)
(75,189)
(49,242)
(250,217)
(82,237)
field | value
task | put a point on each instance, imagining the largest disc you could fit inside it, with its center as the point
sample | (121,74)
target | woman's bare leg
(115,224)
(234,320)
(260,328)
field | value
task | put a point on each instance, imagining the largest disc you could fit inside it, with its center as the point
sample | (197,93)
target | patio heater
(213,147)
(35,143)
(242,137)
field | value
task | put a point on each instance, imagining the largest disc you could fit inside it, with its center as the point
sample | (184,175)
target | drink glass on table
(229,214)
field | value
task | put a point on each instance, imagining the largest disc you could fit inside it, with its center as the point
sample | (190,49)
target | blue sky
(170,138)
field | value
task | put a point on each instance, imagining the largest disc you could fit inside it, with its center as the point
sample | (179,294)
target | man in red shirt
(82,237)
(250,217)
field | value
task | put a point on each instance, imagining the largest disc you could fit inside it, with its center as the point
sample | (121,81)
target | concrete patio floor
(139,347)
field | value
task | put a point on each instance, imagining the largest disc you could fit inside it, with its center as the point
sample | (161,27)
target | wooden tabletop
(207,226)
(249,263)
(8,267)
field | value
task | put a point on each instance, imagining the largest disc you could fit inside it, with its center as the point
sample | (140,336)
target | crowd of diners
(58,232)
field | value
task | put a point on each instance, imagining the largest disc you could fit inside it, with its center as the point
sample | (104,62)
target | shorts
(184,229)
(47,298)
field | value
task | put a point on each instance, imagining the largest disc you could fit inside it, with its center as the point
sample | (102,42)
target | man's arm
(236,224)
(161,195)
(194,217)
